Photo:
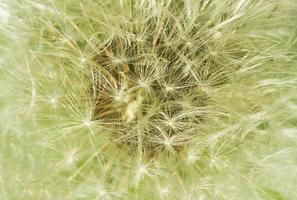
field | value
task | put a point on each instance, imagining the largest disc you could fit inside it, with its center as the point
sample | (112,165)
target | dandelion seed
(169,44)
(202,197)
(189,44)
(170,122)
(290,132)
(4,15)
(82,60)
(133,109)
(205,89)
(213,162)
(118,98)
(217,35)
(70,157)
(103,193)
(44,7)
(28,191)
(168,143)
(192,158)
(169,88)
(138,38)
(156,11)
(187,68)
(143,84)
(256,116)
(87,123)
(141,171)
(69,160)
(118,60)
(213,53)
(164,191)
(53,101)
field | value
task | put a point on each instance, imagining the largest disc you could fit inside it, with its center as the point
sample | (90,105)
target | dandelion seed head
(170,82)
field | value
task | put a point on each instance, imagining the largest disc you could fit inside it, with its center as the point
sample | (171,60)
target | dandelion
(185,99)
